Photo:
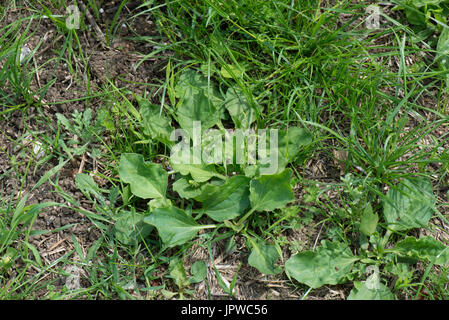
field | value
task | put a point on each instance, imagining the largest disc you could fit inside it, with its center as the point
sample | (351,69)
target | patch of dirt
(61,88)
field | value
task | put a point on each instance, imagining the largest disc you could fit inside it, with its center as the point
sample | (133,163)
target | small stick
(50,45)
(56,245)
(37,73)
(41,101)
(317,237)
(93,23)
(83,162)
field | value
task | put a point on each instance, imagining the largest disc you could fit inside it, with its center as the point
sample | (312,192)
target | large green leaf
(227,201)
(242,114)
(175,226)
(156,124)
(129,227)
(185,189)
(189,162)
(271,191)
(328,264)
(198,101)
(199,172)
(368,221)
(365,293)
(198,272)
(422,3)
(442,55)
(290,144)
(178,272)
(263,257)
(409,205)
(425,248)
(197,107)
(147,180)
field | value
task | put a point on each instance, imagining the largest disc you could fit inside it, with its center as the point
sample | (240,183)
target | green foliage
(325,83)
(198,172)
(331,263)
(425,248)
(242,114)
(227,201)
(147,180)
(156,124)
(271,192)
(409,205)
(175,226)
(442,56)
(368,221)
(198,271)
(263,257)
(362,292)
(328,264)
(428,17)
(424,12)
(129,227)
(82,125)
(187,188)
(198,101)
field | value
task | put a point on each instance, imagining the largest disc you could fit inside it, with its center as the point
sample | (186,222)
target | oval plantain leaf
(199,100)
(409,205)
(368,221)
(425,248)
(328,264)
(185,189)
(147,180)
(242,114)
(155,123)
(227,201)
(198,271)
(271,192)
(365,293)
(129,227)
(175,226)
(263,257)
(199,172)
(197,107)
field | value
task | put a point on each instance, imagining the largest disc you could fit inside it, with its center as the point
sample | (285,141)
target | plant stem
(246,216)
(385,239)
(208,226)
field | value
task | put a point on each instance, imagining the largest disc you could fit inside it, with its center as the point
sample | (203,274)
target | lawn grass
(373,100)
